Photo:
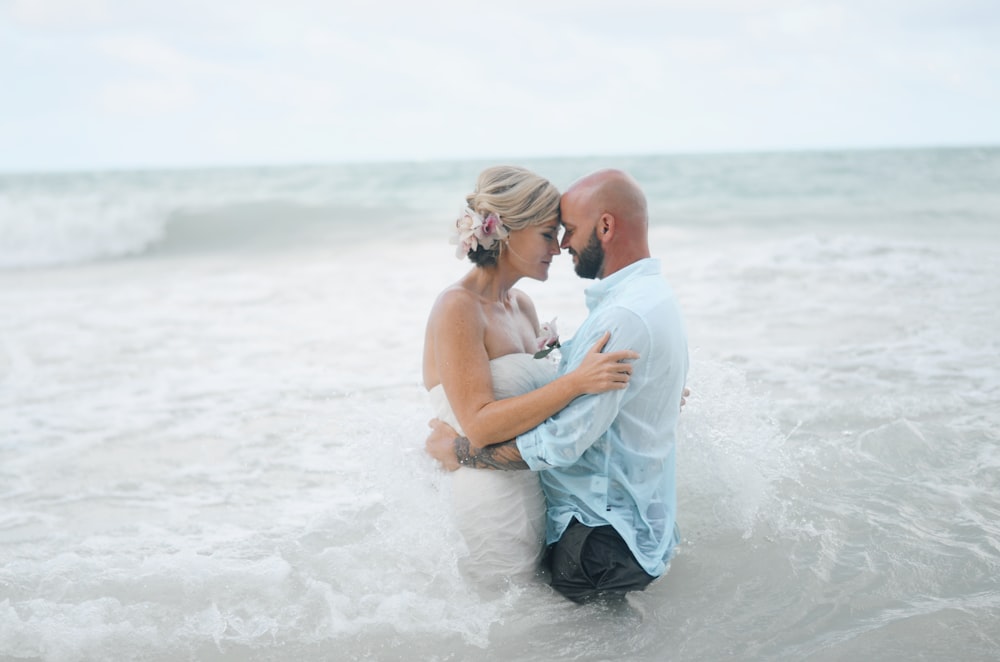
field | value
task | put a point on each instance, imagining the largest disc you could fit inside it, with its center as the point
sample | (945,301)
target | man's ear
(606,228)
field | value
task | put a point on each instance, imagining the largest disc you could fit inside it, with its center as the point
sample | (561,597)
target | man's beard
(590,262)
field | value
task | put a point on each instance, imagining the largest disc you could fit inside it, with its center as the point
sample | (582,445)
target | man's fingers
(623,355)
(599,345)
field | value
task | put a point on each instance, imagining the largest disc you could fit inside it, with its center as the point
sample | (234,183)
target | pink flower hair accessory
(473,231)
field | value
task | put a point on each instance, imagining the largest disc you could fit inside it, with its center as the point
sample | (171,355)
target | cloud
(311,80)
(58,13)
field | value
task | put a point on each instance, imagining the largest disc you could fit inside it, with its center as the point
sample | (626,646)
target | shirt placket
(600,481)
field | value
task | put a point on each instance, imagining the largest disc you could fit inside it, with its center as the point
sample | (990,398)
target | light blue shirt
(609,458)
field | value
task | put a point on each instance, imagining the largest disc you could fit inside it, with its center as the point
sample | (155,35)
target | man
(607,461)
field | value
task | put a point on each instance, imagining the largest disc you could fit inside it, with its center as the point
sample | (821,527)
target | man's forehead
(568,213)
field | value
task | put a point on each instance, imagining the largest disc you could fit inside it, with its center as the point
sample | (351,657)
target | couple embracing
(580,455)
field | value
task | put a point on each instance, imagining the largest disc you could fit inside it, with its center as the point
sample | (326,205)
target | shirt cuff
(529,445)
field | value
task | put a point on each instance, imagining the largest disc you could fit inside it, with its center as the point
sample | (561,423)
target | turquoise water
(211,420)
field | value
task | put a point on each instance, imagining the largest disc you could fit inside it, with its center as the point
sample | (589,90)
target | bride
(480,368)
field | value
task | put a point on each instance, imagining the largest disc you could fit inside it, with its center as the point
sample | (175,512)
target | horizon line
(150,167)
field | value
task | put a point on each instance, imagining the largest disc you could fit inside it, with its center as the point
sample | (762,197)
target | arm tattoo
(504,457)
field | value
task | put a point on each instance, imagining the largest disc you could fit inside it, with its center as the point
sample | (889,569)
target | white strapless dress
(500,514)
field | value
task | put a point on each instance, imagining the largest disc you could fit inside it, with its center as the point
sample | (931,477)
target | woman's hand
(440,444)
(601,372)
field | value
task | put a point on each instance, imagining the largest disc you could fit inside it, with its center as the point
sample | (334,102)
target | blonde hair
(518,196)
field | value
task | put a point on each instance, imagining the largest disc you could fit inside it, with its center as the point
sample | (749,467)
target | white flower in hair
(473,231)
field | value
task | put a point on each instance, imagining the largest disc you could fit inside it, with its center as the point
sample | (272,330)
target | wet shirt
(610,458)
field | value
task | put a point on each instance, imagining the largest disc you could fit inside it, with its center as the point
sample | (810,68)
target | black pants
(594,562)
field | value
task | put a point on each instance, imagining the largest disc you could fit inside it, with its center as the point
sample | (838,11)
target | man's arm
(453,451)
(503,456)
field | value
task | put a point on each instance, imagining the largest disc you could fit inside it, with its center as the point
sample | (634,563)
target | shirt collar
(599,291)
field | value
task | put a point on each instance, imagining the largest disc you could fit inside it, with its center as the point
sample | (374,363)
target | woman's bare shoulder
(454,295)
(456,303)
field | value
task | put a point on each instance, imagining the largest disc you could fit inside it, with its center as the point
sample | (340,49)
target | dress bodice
(513,374)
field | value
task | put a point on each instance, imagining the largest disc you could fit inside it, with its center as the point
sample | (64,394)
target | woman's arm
(458,332)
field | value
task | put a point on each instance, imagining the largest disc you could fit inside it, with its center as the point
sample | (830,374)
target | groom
(607,461)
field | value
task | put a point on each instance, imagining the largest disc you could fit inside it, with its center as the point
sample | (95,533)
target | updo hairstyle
(518,196)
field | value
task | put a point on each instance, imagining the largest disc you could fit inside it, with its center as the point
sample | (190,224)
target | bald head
(613,192)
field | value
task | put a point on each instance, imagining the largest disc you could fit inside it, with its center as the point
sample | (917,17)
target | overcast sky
(133,83)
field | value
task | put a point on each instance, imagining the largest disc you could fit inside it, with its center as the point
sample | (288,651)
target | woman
(480,368)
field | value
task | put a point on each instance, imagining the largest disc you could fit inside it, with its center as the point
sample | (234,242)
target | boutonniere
(547,340)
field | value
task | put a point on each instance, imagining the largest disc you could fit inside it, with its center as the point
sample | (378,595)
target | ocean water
(211,418)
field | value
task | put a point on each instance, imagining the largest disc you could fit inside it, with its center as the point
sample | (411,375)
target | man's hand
(440,444)
(684,395)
